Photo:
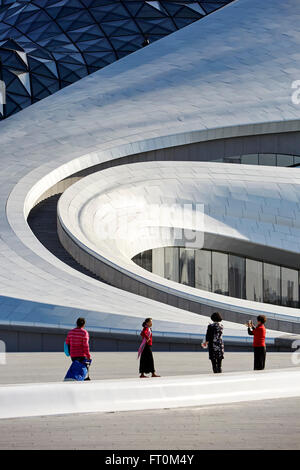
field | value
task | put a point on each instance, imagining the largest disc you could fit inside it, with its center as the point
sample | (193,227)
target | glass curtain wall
(254,280)
(158,261)
(144,260)
(203,269)
(271,284)
(220,273)
(237,276)
(172,264)
(269,159)
(289,287)
(224,273)
(187,266)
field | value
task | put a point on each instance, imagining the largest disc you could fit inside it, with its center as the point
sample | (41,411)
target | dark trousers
(259,357)
(217,365)
(81,359)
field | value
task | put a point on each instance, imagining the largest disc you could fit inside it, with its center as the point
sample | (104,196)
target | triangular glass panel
(196,7)
(25,80)
(209,7)
(147,11)
(182,22)
(155,5)
(162,27)
(172,8)
(134,7)
(12,45)
(20,85)
(100,45)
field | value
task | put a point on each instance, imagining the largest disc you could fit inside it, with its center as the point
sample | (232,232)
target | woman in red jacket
(145,351)
(259,341)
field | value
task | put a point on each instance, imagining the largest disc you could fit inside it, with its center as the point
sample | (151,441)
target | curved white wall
(119,212)
(198,84)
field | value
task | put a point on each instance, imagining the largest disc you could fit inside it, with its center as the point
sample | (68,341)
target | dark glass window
(285,160)
(187,267)
(296,160)
(237,276)
(267,159)
(147,260)
(250,159)
(203,269)
(254,280)
(138,259)
(272,284)
(225,274)
(158,265)
(144,260)
(220,273)
(289,287)
(172,263)
(234,159)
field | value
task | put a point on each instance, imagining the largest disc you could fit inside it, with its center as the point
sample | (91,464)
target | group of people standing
(77,343)
(215,343)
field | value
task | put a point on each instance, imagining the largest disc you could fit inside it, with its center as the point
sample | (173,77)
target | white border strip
(153,393)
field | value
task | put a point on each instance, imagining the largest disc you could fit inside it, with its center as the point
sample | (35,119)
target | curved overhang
(112,215)
(198,84)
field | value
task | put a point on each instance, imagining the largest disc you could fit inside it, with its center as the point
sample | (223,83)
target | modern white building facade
(186,149)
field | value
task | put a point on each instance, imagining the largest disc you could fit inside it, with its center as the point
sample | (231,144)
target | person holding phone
(259,341)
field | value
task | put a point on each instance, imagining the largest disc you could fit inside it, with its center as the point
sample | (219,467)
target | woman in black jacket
(215,343)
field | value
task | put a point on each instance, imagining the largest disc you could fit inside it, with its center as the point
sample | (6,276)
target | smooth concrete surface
(51,367)
(263,425)
(42,399)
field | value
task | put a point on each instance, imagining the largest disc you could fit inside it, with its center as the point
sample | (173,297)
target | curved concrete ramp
(137,394)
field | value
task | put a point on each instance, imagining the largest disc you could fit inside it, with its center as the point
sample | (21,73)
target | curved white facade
(120,212)
(114,214)
(228,76)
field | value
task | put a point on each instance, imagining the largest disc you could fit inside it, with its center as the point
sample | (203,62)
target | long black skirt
(146,361)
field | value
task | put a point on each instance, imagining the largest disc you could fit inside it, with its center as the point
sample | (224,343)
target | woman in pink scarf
(145,351)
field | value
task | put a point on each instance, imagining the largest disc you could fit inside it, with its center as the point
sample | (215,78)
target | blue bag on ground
(77,371)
